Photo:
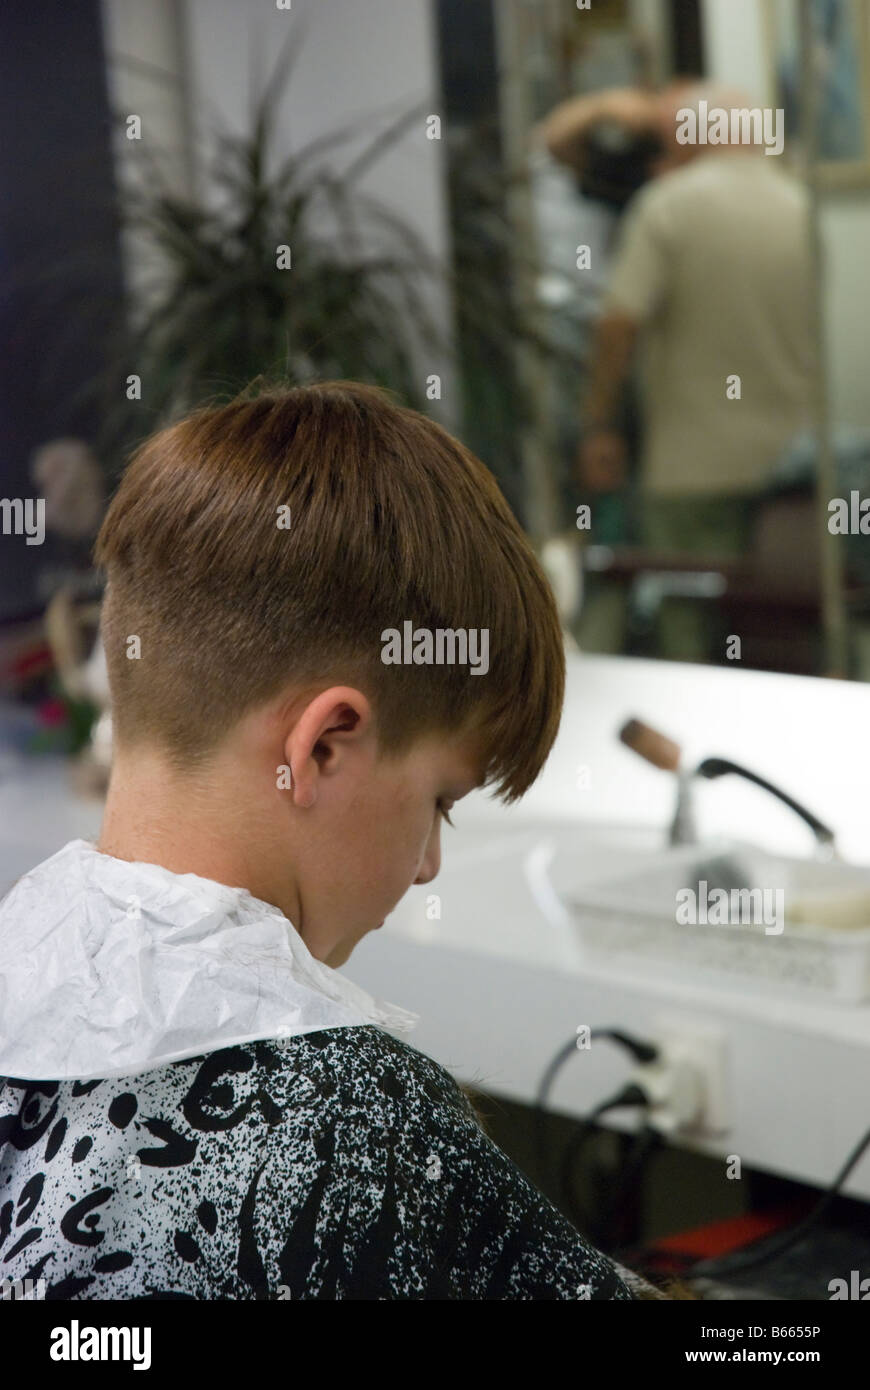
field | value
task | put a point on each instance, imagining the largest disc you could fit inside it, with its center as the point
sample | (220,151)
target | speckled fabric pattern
(333,1165)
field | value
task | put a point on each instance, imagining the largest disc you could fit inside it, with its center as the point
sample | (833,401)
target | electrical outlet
(687,1038)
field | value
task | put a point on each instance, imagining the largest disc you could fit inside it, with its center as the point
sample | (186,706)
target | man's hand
(601,461)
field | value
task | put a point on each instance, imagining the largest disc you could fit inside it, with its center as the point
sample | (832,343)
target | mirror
(686,185)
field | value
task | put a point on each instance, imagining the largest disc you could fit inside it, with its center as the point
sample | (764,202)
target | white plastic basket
(635,917)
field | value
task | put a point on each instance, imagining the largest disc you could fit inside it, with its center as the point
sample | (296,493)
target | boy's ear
(334,723)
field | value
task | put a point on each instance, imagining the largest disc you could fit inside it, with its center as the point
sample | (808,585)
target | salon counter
(500,981)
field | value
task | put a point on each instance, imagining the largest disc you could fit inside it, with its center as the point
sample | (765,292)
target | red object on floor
(720,1237)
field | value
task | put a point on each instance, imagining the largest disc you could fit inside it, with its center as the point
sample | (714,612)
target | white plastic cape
(109,968)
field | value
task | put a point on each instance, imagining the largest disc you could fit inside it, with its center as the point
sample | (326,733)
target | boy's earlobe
(304,796)
(301,783)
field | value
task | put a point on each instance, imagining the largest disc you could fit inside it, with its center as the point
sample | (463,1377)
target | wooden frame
(832,172)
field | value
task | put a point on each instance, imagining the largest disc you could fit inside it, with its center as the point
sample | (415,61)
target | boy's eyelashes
(445,810)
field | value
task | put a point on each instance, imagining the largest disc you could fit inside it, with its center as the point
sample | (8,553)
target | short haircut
(391,519)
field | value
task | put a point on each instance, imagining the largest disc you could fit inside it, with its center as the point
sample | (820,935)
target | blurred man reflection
(710,282)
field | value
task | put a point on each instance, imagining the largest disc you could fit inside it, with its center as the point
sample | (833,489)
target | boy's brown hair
(391,519)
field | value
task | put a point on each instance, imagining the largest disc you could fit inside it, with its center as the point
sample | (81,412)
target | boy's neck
(155,817)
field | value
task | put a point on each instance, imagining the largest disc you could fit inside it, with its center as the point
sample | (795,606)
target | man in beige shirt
(711,282)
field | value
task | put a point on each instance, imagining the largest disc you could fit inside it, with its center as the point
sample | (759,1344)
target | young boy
(199,1105)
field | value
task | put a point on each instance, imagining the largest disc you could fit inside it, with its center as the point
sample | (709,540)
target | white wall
(733,34)
(737,51)
(146,77)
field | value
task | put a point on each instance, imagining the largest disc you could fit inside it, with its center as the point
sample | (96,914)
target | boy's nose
(431,859)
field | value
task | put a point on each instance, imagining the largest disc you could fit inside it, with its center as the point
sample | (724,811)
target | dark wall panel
(56,218)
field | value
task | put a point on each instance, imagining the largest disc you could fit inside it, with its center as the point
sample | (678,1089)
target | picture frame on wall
(841,66)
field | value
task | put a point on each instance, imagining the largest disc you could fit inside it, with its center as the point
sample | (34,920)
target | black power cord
(748,1259)
(641,1052)
(596,1227)
(646,1142)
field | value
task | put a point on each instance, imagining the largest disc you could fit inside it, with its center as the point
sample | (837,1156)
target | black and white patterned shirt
(340,1164)
(225,1117)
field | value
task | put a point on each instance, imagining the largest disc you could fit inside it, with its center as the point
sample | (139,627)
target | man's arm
(602,449)
(612,351)
(565,129)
